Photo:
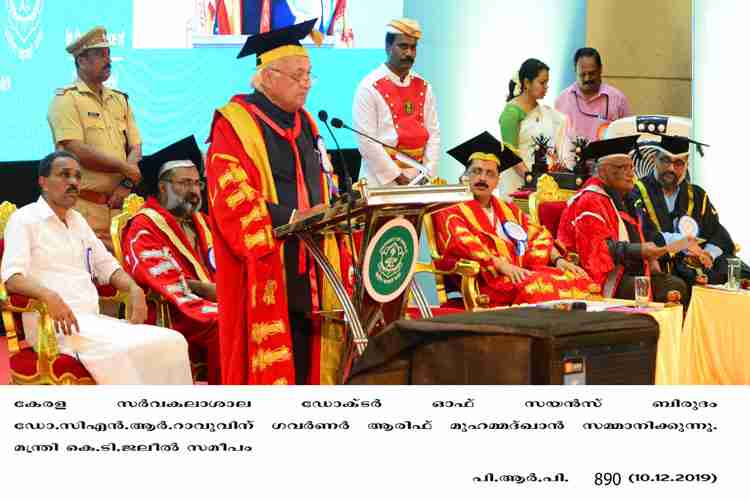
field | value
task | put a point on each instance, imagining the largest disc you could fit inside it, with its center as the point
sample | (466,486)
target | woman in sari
(526,118)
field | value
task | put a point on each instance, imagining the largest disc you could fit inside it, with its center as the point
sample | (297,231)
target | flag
(222,26)
(265,17)
(338,13)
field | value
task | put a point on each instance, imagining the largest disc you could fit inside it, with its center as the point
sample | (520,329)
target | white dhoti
(117,352)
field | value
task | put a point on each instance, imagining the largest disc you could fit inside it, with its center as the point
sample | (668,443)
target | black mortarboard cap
(184,149)
(596,150)
(485,143)
(264,43)
(679,145)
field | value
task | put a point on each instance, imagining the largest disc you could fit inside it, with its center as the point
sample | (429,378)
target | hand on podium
(402,180)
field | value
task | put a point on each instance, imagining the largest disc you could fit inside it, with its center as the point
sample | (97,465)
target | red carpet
(4,364)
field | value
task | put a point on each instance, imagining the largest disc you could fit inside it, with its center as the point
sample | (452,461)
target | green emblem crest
(389,260)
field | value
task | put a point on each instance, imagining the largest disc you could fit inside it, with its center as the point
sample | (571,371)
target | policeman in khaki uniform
(96,124)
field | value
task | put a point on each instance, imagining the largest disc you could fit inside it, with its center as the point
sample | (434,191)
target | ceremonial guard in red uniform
(396,106)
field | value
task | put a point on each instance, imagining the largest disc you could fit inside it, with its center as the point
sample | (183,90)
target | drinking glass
(641,285)
(734,268)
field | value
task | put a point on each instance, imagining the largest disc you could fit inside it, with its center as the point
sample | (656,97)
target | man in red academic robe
(519,261)
(265,170)
(603,227)
(168,248)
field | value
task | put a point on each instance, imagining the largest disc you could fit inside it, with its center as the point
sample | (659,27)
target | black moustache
(481,184)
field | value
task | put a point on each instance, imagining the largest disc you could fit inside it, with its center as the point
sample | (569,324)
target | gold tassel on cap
(317,37)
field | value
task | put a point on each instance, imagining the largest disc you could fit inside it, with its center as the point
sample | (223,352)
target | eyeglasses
(188,183)
(620,168)
(478,172)
(308,77)
(675,162)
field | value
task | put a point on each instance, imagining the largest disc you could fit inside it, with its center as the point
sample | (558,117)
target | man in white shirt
(397,107)
(52,255)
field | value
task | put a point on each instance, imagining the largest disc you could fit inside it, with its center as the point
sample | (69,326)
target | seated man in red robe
(519,261)
(168,248)
(602,225)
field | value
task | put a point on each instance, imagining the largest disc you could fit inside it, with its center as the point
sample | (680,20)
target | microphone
(334,192)
(422,178)
(323,116)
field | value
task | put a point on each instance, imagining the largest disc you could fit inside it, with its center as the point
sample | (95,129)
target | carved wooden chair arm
(46,340)
(468,270)
(121,298)
(462,267)
(163,316)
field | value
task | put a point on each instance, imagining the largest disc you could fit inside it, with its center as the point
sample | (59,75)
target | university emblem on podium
(389,260)
(24,31)
(408,107)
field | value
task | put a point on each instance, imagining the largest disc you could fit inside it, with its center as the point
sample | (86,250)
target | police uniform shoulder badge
(120,92)
(63,90)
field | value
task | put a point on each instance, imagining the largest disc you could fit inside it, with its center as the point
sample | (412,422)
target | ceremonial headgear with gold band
(276,44)
(405,26)
(485,147)
(94,39)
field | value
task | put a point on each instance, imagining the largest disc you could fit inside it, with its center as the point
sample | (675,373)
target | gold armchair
(42,364)
(460,277)
(131,206)
(163,317)
(548,192)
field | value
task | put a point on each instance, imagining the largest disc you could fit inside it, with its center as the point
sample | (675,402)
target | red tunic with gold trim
(159,255)
(251,278)
(399,112)
(407,110)
(466,231)
(587,223)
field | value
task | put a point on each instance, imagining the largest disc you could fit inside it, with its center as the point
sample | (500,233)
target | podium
(389,221)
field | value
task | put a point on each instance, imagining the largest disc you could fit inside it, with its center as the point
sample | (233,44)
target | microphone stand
(323,116)
(422,178)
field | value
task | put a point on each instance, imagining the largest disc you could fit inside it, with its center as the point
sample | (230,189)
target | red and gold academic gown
(256,346)
(159,256)
(465,231)
(590,219)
